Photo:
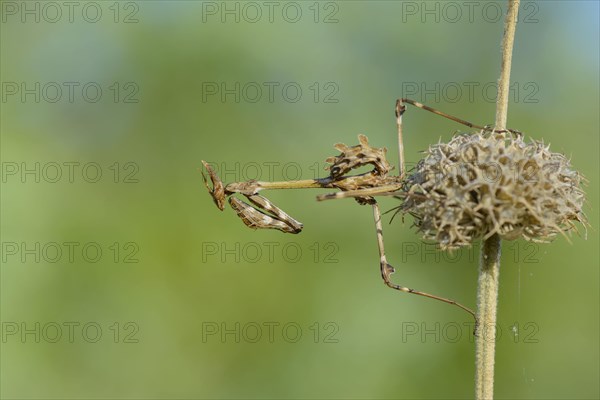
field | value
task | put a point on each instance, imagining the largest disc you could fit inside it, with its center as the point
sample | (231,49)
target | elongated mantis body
(263,214)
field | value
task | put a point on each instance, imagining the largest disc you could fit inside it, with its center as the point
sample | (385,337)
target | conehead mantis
(364,187)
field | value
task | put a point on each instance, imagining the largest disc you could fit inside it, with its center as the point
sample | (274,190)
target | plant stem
(489,262)
(510,25)
(487,300)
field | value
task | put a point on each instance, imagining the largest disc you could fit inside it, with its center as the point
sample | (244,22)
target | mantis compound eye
(217,192)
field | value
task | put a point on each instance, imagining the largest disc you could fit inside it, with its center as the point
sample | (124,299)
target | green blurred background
(181,290)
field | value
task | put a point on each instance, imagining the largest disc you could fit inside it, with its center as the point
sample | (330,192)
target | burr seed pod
(485,183)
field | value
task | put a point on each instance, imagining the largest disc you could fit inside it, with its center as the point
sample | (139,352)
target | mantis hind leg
(387,270)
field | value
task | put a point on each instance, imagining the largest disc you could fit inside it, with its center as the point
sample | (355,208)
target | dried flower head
(485,183)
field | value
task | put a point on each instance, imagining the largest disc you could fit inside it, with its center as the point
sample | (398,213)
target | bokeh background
(186,302)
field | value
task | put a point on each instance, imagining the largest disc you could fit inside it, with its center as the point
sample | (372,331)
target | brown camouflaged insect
(362,187)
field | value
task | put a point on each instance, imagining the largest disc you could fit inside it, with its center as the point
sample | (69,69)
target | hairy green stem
(489,262)
(510,25)
(487,300)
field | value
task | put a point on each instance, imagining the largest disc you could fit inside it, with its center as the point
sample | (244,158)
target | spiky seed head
(485,183)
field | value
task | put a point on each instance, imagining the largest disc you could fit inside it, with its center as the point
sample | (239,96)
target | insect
(263,214)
